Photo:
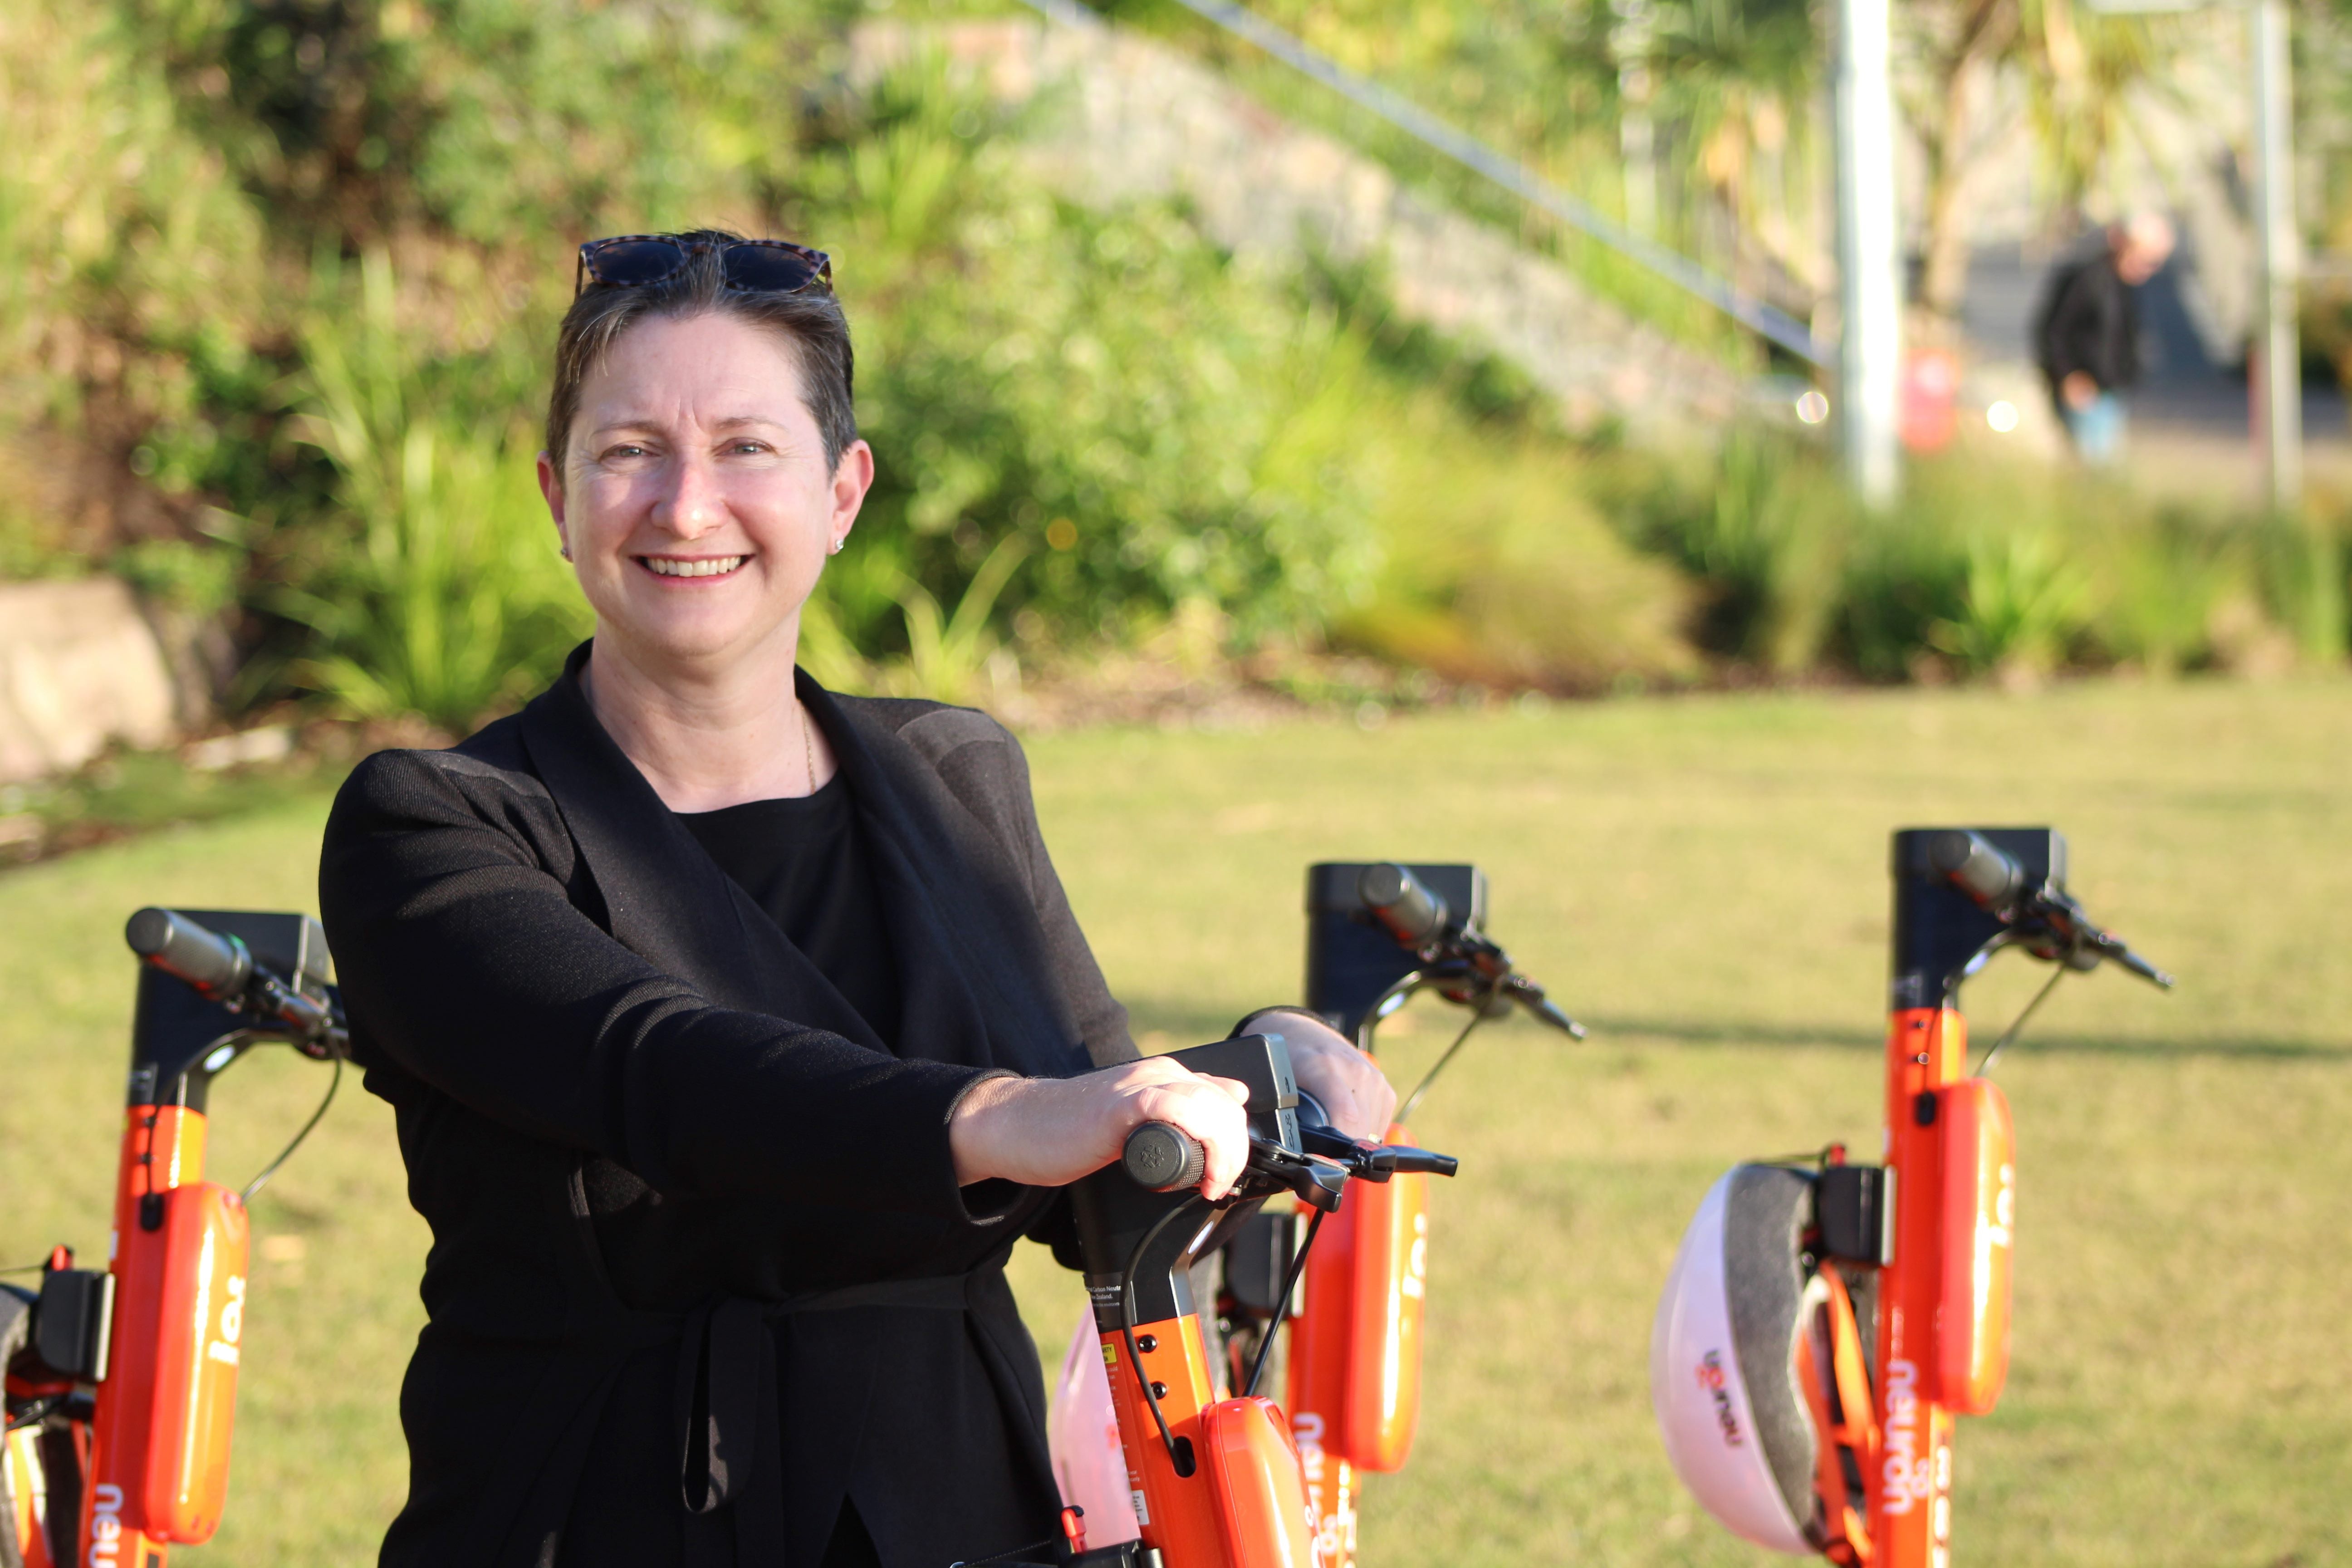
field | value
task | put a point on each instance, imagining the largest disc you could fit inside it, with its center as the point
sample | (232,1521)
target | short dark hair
(811,322)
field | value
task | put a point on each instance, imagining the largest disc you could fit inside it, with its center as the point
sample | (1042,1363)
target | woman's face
(695,498)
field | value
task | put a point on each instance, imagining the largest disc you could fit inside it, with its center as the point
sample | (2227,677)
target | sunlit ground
(1702,880)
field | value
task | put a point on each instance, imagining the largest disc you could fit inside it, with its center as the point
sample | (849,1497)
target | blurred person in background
(2086,334)
(736,1030)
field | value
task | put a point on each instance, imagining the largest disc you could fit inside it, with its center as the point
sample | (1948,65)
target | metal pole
(2279,356)
(1870,292)
(1636,133)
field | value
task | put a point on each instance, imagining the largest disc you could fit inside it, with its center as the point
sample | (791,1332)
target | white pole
(2279,355)
(1636,133)
(1870,350)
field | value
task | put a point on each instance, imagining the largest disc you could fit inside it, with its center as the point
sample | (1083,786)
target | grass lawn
(1702,880)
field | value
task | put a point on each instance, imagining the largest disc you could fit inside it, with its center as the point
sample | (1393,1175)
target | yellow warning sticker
(1110,1354)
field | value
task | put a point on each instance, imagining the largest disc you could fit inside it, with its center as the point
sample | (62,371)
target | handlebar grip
(1398,899)
(1423,1160)
(1164,1158)
(218,966)
(1977,869)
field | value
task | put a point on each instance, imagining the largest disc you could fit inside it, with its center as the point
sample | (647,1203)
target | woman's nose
(695,503)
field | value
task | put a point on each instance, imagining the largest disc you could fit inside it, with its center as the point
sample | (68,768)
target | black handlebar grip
(214,964)
(1977,869)
(1164,1158)
(1397,899)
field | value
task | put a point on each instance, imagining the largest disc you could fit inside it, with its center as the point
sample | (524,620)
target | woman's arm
(1049,1131)
(463,961)
(984,767)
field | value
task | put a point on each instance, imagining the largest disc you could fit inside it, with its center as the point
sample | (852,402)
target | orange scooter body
(1355,1347)
(1911,1479)
(1243,1504)
(1176,1513)
(184,1377)
(1979,1176)
(168,1400)
(1261,1497)
(1942,1329)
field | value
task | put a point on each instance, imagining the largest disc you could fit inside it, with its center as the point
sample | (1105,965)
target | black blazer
(700,1268)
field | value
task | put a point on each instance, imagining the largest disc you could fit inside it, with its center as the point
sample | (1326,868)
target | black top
(2089,321)
(686,1204)
(805,862)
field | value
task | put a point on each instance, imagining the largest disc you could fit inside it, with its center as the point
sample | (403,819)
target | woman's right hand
(1049,1131)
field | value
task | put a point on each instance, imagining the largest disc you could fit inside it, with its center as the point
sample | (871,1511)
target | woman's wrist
(1045,1132)
(974,1123)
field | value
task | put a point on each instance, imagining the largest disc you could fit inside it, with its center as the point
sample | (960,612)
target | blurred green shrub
(1499,568)
(2022,603)
(448,600)
(1986,569)
(1762,525)
(2168,580)
(2301,565)
(129,262)
(1154,422)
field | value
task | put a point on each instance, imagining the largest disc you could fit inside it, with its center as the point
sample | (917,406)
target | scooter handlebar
(1992,879)
(217,966)
(1402,903)
(1163,1158)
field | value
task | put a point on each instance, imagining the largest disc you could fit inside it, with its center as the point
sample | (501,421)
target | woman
(736,1030)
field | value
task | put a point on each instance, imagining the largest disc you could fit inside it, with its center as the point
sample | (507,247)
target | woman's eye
(624,452)
(747,448)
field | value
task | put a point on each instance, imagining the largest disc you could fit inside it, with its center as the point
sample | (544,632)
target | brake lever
(1312,1182)
(2067,919)
(1530,995)
(1373,1161)
(2114,948)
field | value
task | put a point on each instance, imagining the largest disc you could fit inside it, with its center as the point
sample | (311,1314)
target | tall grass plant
(449,601)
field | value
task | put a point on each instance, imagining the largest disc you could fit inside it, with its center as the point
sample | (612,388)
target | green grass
(1701,879)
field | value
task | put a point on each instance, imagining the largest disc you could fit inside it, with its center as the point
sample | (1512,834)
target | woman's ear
(852,477)
(550,487)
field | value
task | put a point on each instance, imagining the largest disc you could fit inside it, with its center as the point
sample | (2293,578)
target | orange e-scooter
(1825,1322)
(1377,935)
(1214,1481)
(121,1383)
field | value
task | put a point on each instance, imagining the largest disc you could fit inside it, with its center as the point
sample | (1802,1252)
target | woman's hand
(1049,1131)
(1349,1084)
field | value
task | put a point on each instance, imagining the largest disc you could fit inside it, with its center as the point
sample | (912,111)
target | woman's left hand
(1348,1083)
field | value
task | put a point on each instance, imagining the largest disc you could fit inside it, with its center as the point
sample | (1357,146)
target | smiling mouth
(697,566)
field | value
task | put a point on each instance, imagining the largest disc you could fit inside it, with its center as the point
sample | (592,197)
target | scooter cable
(1127,1324)
(1478,1016)
(1282,1303)
(286,1153)
(2009,1034)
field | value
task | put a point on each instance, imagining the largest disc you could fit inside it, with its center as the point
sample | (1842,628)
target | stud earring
(835,548)
(564,550)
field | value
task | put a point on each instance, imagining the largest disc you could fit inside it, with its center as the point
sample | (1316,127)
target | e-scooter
(1826,1322)
(1215,1482)
(1378,934)
(121,1383)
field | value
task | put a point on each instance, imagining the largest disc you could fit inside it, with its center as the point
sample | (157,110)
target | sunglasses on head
(759,266)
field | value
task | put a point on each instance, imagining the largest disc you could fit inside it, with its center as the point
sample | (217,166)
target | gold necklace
(808,746)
